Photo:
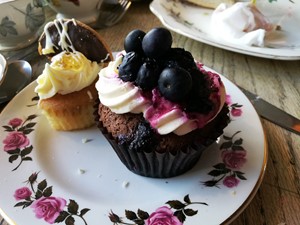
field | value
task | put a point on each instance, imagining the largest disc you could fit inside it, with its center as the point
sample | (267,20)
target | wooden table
(277,201)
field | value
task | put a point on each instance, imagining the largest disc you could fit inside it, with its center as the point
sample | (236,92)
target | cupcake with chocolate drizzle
(66,87)
(158,108)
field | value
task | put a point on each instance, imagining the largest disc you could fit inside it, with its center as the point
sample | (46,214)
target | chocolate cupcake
(158,108)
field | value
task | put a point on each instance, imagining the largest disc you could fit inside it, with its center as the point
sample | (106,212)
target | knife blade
(272,113)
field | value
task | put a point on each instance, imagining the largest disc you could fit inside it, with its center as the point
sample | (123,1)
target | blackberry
(198,98)
(130,66)
(147,75)
(143,138)
(179,57)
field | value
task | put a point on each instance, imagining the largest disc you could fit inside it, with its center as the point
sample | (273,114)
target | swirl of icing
(119,96)
(163,115)
(67,72)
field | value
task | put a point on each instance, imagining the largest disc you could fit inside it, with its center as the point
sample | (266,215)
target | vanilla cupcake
(66,87)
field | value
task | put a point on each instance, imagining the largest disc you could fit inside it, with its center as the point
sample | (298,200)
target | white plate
(193,22)
(91,174)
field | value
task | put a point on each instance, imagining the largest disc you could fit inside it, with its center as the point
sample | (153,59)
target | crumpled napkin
(241,23)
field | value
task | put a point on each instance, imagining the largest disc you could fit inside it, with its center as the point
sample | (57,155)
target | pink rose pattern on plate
(174,214)
(161,215)
(16,143)
(22,193)
(45,206)
(233,156)
(52,209)
(235,108)
(48,208)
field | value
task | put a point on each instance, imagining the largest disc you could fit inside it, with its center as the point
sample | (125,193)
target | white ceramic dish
(194,22)
(81,170)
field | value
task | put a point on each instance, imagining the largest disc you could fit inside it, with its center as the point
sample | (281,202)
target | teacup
(86,11)
(20,21)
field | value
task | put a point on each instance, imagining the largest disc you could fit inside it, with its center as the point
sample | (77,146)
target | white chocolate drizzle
(106,58)
(64,42)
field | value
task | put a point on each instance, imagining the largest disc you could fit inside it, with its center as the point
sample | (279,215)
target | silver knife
(272,113)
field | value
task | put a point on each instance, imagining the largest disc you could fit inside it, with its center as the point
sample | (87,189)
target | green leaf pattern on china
(34,18)
(175,213)
(54,209)
(16,143)
(233,157)
(7,27)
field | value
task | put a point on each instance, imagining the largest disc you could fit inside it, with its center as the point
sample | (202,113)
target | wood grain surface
(277,201)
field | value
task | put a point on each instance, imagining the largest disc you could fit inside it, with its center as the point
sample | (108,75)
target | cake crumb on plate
(81,171)
(125,184)
(85,140)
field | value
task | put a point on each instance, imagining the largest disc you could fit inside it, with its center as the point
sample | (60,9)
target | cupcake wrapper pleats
(154,164)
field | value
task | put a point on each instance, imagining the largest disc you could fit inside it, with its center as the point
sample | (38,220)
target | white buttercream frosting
(241,23)
(67,72)
(119,96)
